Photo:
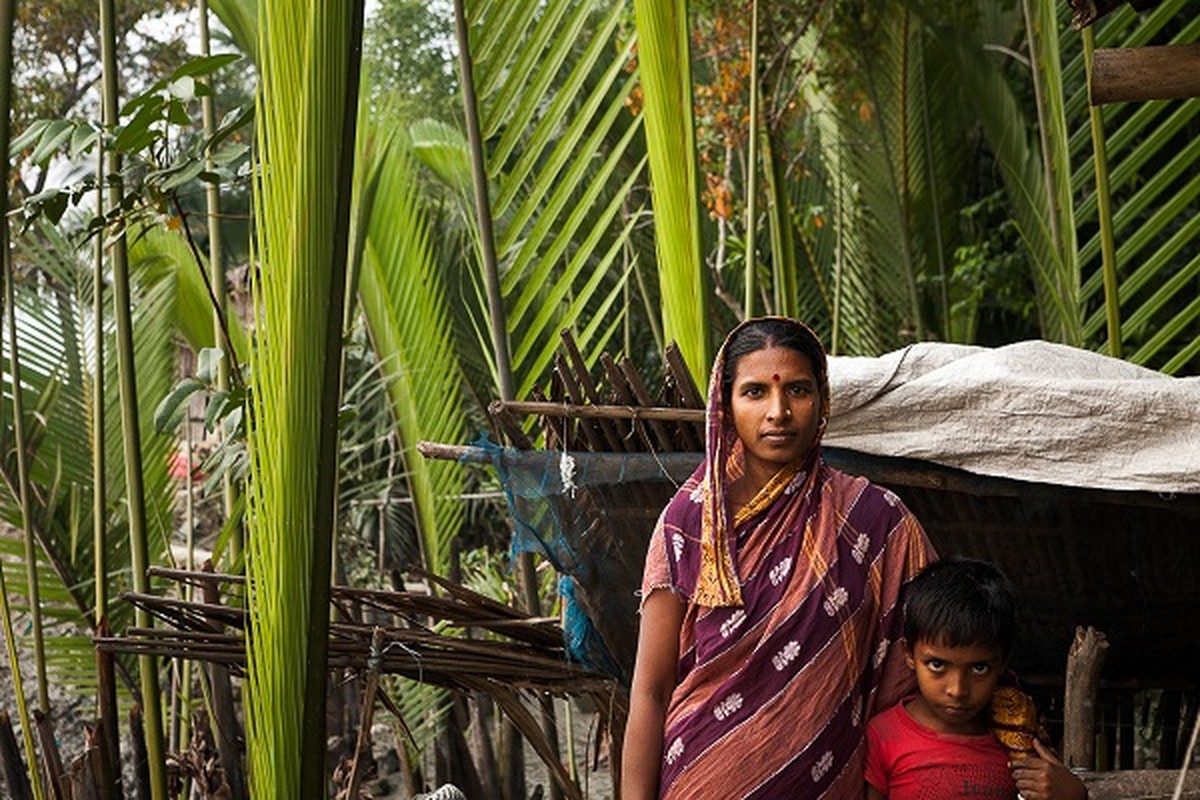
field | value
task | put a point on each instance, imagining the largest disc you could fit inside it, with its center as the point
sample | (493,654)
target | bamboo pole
(752,169)
(1108,249)
(135,497)
(552,409)
(18,411)
(7,13)
(483,211)
(216,272)
(106,688)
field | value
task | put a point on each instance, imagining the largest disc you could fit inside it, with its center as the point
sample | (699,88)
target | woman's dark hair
(957,602)
(759,334)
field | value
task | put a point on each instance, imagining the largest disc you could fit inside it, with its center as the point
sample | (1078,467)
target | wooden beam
(576,410)
(1143,784)
(1167,72)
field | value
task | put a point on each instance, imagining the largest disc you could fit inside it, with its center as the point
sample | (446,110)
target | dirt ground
(594,784)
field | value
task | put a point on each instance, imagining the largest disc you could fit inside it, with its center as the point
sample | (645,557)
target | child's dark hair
(960,601)
(759,334)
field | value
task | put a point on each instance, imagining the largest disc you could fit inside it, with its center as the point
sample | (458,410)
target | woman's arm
(653,681)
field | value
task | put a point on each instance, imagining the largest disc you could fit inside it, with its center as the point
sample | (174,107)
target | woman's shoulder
(855,490)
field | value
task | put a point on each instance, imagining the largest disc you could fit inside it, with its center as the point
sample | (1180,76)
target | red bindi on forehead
(776,377)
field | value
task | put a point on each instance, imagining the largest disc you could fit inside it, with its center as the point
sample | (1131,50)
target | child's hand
(1043,777)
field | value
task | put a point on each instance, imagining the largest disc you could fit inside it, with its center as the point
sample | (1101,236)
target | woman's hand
(1044,777)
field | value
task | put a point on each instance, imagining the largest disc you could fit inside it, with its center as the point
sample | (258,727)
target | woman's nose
(778,408)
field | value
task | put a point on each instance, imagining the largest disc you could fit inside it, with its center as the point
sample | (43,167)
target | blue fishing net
(591,515)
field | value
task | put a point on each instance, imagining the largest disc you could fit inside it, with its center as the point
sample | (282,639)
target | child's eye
(936,664)
(981,669)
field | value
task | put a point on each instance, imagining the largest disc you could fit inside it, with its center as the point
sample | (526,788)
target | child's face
(955,684)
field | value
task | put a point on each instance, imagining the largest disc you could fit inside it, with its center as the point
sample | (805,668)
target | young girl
(770,618)
(959,620)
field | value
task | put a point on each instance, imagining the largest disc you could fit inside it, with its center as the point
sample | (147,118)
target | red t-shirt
(907,761)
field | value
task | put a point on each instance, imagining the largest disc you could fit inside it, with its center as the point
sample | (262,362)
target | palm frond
(562,161)
(665,64)
(305,108)
(407,311)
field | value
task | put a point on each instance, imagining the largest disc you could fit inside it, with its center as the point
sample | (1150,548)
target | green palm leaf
(1154,180)
(305,109)
(407,311)
(561,160)
(665,61)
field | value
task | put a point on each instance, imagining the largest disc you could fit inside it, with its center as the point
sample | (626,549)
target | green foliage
(407,62)
(665,63)
(153,173)
(1153,151)
(407,309)
(301,194)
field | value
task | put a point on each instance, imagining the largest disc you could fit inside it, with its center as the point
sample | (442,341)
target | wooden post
(16,779)
(1167,72)
(52,766)
(1084,662)
(227,730)
(141,764)
(366,716)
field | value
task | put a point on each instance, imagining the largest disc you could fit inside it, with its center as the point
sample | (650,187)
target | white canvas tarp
(1032,411)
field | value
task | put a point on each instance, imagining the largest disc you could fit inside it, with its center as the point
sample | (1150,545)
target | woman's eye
(801,391)
(753,391)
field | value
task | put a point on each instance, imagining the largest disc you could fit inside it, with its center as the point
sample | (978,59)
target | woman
(770,600)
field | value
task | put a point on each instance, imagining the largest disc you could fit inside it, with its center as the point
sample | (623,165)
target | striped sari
(772,696)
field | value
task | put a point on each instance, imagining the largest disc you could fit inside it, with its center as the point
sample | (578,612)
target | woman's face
(776,408)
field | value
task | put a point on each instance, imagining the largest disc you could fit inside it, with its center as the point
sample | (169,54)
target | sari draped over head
(791,637)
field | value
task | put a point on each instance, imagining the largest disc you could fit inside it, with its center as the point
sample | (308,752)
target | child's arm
(874,794)
(1044,777)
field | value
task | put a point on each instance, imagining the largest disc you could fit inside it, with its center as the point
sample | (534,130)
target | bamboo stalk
(106,688)
(135,496)
(216,271)
(18,413)
(550,409)
(1165,72)
(7,11)
(483,211)
(1108,249)
(752,169)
